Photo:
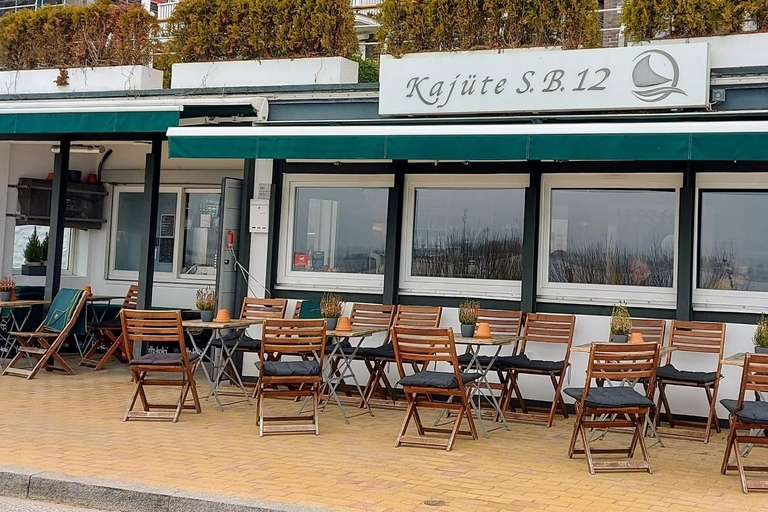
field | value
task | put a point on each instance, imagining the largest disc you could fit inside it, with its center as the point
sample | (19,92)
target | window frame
(182,233)
(289,279)
(70,269)
(452,286)
(605,294)
(165,277)
(730,301)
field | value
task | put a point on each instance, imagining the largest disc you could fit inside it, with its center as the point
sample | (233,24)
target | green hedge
(648,19)
(409,26)
(215,30)
(101,34)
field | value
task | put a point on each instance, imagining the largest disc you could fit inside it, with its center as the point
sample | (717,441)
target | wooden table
(474,345)
(735,360)
(219,367)
(16,325)
(334,377)
(587,348)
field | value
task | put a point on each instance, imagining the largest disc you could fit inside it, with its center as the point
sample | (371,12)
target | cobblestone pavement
(73,425)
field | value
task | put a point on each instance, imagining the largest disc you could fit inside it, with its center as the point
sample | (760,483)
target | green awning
(649,141)
(87,120)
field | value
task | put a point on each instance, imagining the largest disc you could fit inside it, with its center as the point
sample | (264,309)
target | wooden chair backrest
(619,361)
(297,310)
(293,337)
(131,300)
(372,315)
(546,328)
(261,309)
(154,327)
(652,330)
(502,321)
(703,337)
(420,346)
(754,377)
(418,316)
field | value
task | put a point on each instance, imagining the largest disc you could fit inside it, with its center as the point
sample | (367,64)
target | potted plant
(761,336)
(468,311)
(44,249)
(621,324)
(33,256)
(331,307)
(206,303)
(7,285)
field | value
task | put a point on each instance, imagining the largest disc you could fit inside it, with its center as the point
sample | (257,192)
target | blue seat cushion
(162,359)
(246,343)
(386,351)
(465,359)
(291,368)
(523,362)
(751,412)
(442,380)
(669,372)
(607,397)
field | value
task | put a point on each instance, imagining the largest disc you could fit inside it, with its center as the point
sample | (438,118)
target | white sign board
(545,80)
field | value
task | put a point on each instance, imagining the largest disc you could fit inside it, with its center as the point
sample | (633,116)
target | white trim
(477,129)
(732,301)
(598,294)
(442,286)
(289,279)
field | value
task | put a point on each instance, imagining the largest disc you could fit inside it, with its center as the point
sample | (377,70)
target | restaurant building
(539,180)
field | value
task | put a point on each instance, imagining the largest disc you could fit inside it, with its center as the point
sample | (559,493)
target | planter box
(33,270)
(114,78)
(249,73)
(732,51)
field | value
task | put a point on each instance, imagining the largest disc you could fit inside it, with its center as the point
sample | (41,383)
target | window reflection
(733,248)
(201,233)
(130,225)
(468,233)
(341,229)
(615,237)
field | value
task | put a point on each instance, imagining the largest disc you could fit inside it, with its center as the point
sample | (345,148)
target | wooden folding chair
(109,333)
(303,378)
(159,327)
(619,406)
(43,345)
(420,347)
(539,328)
(751,416)
(377,358)
(696,337)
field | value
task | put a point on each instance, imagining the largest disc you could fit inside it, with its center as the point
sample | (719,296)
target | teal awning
(90,120)
(714,140)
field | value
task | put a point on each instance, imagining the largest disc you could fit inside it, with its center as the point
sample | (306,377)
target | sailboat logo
(655,76)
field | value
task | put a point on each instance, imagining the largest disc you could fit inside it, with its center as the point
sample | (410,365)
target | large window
(610,238)
(21,237)
(463,235)
(732,257)
(189,216)
(335,233)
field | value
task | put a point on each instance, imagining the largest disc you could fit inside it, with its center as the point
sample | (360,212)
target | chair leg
(575,434)
(316,404)
(712,417)
(728,446)
(193,389)
(408,413)
(136,391)
(663,401)
(587,451)
(740,464)
(557,384)
(457,425)
(639,420)
(470,419)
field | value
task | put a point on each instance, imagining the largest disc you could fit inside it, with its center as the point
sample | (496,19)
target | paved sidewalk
(17,505)
(73,425)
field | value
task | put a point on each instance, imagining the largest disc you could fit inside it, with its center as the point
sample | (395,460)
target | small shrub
(621,322)
(468,312)
(331,305)
(33,250)
(206,299)
(368,71)
(761,334)
(7,284)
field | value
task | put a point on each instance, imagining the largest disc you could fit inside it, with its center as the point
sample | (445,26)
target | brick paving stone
(73,425)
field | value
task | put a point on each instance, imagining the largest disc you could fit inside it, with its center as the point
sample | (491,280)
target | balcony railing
(165,10)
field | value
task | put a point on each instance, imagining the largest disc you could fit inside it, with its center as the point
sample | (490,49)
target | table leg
(202,353)
(234,376)
(15,326)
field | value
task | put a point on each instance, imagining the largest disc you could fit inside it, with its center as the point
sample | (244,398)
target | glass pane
(201,233)
(468,233)
(22,237)
(733,249)
(130,223)
(340,230)
(618,237)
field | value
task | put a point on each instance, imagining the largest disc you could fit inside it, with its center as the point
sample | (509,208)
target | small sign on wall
(265,191)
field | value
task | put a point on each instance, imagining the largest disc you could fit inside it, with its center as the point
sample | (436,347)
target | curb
(124,497)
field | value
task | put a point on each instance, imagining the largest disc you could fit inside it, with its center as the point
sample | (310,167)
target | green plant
(468,312)
(621,322)
(331,305)
(368,71)
(7,284)
(104,33)
(44,247)
(215,30)
(33,249)
(206,299)
(760,338)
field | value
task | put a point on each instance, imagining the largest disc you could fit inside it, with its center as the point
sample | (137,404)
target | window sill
(603,297)
(331,286)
